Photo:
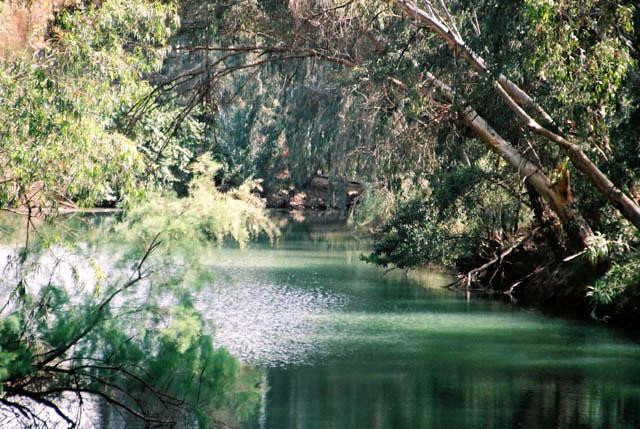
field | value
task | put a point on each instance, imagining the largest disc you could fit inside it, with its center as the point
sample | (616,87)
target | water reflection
(342,346)
(345,347)
(384,396)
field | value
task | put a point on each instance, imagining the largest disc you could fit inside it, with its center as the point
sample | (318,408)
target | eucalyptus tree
(525,108)
(111,323)
(418,67)
(283,100)
(60,140)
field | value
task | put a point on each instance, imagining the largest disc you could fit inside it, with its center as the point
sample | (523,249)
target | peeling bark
(517,99)
(574,224)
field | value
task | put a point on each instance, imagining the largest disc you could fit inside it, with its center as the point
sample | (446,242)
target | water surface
(342,345)
(345,347)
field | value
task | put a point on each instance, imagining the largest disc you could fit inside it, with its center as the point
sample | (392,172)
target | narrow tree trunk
(536,203)
(516,99)
(574,224)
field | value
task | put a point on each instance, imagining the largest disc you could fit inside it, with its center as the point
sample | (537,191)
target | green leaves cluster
(153,360)
(584,59)
(206,213)
(412,237)
(125,330)
(622,276)
(60,107)
(621,279)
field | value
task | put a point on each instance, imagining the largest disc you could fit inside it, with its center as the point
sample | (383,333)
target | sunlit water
(346,347)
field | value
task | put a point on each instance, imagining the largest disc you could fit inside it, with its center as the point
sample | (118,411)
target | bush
(205,214)
(411,238)
(622,275)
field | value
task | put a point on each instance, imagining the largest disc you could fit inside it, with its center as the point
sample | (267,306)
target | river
(341,344)
(344,346)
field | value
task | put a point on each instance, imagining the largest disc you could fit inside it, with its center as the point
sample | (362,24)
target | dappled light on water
(347,346)
(270,324)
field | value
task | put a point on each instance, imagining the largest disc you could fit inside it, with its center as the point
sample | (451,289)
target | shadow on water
(340,345)
(345,347)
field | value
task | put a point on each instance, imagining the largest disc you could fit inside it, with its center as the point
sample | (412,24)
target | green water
(344,347)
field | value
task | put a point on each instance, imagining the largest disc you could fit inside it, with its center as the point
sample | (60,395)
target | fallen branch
(509,291)
(471,276)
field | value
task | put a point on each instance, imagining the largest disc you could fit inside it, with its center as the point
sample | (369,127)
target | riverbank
(567,288)
(551,284)
(320,193)
(534,274)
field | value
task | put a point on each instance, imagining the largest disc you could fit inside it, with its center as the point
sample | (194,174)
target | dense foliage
(388,94)
(205,214)
(479,127)
(61,107)
(111,321)
(411,238)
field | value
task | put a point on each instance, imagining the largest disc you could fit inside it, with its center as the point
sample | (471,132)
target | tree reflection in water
(104,328)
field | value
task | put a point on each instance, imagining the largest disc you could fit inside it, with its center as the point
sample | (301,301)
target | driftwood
(509,292)
(468,278)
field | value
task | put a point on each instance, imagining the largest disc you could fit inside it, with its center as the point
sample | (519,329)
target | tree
(372,42)
(127,333)
(518,100)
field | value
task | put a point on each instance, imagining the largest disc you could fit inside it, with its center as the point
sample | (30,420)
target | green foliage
(154,359)
(461,210)
(168,150)
(623,275)
(374,207)
(185,355)
(411,238)
(580,60)
(589,60)
(205,214)
(597,249)
(59,108)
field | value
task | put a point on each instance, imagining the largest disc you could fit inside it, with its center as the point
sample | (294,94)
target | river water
(341,344)
(345,347)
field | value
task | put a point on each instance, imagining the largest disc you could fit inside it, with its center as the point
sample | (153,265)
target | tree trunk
(575,226)
(517,99)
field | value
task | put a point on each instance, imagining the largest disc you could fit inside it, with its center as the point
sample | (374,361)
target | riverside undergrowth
(111,320)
